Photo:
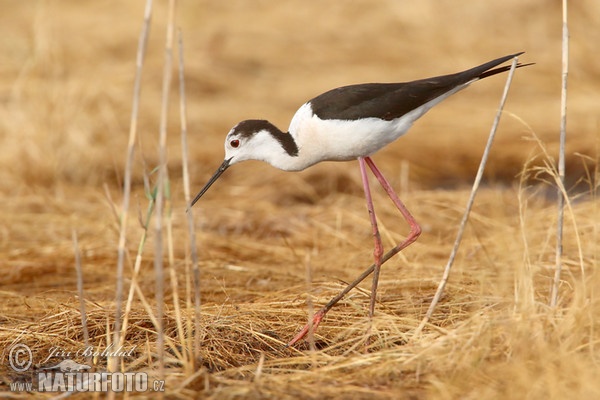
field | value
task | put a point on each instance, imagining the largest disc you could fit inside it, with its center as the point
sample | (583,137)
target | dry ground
(66,83)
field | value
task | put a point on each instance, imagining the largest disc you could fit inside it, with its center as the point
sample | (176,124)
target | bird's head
(249,140)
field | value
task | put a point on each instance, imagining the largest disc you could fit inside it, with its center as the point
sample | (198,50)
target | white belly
(343,140)
(346,140)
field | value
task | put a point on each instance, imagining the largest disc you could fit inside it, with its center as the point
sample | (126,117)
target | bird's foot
(317,318)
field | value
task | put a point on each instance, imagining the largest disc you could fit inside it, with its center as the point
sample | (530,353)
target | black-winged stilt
(349,123)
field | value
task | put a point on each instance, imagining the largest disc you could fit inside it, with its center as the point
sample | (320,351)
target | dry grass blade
(465,218)
(137,88)
(86,334)
(134,285)
(161,190)
(195,269)
(561,156)
(309,304)
(548,173)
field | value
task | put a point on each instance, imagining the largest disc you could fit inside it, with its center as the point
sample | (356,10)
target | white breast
(343,140)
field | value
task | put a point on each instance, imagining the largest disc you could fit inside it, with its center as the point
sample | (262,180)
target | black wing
(389,101)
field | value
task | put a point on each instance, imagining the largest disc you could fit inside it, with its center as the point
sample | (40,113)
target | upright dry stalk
(187,195)
(141,54)
(136,267)
(161,187)
(309,304)
(185,355)
(523,278)
(465,218)
(561,156)
(86,335)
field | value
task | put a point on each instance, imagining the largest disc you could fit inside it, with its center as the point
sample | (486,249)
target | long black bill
(212,180)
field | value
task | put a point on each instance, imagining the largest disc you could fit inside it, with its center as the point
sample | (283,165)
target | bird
(350,123)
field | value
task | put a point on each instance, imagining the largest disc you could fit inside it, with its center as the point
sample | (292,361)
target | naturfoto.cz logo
(71,376)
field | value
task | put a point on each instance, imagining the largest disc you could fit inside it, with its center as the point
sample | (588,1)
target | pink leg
(378,251)
(415,231)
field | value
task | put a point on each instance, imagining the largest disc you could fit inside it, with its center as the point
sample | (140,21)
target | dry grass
(65,100)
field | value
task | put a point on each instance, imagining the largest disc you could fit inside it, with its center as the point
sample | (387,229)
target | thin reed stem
(187,195)
(160,193)
(561,157)
(86,335)
(465,218)
(137,87)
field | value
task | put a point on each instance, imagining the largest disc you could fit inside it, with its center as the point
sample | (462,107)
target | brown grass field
(269,240)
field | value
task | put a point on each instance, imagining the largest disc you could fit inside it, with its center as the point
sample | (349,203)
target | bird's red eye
(234,143)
